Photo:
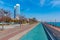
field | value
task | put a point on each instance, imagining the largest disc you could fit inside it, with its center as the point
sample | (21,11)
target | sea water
(55,23)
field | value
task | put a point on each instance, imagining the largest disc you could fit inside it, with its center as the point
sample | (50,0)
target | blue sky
(45,10)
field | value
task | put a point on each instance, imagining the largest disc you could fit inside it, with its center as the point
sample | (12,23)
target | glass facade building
(16,10)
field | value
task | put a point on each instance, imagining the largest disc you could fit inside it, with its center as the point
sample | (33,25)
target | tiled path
(6,34)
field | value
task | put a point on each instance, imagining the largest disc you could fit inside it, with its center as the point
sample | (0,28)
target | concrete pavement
(54,31)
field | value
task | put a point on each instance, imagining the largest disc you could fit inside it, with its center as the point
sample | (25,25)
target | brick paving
(6,34)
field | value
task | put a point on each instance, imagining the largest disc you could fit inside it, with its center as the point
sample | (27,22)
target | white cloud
(42,2)
(55,3)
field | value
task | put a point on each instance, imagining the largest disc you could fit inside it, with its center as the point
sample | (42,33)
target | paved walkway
(18,36)
(54,31)
(9,26)
(6,34)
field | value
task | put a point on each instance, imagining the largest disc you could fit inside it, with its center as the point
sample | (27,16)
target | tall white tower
(16,11)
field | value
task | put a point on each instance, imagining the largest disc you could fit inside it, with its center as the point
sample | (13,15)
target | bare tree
(3,15)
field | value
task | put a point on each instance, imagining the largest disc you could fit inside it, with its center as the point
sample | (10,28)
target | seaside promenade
(8,34)
(53,31)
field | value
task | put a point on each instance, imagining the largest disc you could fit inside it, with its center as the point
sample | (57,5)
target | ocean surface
(36,33)
(55,23)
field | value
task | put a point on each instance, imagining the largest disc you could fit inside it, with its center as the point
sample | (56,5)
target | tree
(4,17)
(32,20)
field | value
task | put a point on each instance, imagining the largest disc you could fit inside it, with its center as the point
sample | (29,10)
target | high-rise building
(16,10)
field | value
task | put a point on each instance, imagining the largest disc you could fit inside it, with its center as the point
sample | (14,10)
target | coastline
(54,27)
(53,31)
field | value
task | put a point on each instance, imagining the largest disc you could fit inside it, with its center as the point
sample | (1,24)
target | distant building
(14,12)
